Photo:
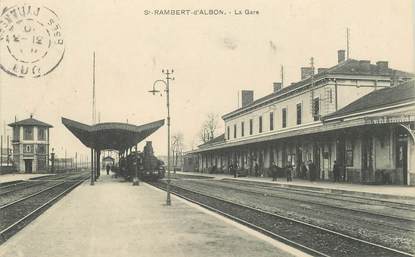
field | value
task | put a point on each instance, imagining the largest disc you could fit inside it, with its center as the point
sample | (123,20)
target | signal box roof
(30,122)
(111,135)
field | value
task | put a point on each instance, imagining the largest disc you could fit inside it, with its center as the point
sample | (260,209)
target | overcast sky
(213,57)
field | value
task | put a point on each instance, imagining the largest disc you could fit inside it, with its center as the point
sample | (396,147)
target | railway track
(10,183)
(23,185)
(16,214)
(397,222)
(312,239)
(327,195)
(20,186)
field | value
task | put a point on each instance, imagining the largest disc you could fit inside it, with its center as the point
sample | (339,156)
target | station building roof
(350,67)
(30,122)
(216,140)
(111,135)
(401,94)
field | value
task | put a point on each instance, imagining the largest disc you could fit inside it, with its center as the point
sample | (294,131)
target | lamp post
(167,90)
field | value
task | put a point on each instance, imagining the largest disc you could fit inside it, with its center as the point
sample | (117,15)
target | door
(367,159)
(28,166)
(340,147)
(299,161)
(402,156)
(316,158)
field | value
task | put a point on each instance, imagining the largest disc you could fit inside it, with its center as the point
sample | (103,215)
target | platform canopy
(111,135)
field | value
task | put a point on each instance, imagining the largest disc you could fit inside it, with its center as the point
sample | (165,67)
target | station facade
(344,113)
(30,145)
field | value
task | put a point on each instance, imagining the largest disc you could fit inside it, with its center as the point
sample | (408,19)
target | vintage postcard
(207,128)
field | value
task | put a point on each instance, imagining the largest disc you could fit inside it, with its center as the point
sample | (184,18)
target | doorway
(340,160)
(28,166)
(402,156)
(316,160)
(367,159)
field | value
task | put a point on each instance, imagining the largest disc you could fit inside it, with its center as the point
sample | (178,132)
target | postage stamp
(31,41)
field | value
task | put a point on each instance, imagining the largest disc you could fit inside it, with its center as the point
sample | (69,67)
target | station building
(359,114)
(31,145)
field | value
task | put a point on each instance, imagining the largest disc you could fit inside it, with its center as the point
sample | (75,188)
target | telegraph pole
(93,91)
(348,43)
(93,120)
(166,83)
(312,85)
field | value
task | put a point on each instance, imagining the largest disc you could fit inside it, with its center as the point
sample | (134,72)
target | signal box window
(228,131)
(41,149)
(234,131)
(271,121)
(41,135)
(28,133)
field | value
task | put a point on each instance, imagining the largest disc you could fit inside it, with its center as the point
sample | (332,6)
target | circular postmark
(31,41)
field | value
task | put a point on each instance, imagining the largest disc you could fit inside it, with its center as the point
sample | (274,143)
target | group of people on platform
(305,171)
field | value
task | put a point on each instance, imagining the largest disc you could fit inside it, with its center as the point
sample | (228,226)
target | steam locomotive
(144,165)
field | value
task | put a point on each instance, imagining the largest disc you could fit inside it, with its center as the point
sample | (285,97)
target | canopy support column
(92,167)
(98,163)
(137,166)
(95,164)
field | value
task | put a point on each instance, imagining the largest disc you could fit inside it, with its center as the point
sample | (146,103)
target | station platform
(19,176)
(114,218)
(378,191)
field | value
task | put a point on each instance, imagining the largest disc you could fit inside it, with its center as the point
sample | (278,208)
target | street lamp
(154,91)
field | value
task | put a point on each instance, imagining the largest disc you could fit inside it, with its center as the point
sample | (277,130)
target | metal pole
(93,91)
(168,200)
(166,84)
(92,167)
(98,164)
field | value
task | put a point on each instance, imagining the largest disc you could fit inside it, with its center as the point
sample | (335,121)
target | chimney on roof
(31,115)
(341,56)
(320,70)
(382,65)
(277,86)
(365,64)
(247,97)
(306,72)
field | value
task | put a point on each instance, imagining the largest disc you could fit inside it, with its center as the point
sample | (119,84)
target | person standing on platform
(274,171)
(108,169)
(336,172)
(235,168)
(303,170)
(256,169)
(311,170)
(289,173)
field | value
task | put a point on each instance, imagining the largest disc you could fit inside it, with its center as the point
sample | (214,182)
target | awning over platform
(111,135)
